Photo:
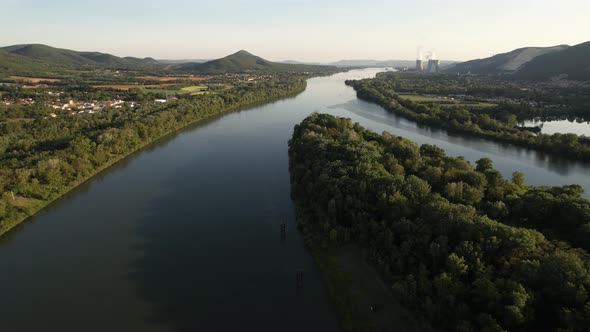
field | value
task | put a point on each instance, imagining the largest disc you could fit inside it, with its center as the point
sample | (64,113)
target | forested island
(42,157)
(461,247)
(498,121)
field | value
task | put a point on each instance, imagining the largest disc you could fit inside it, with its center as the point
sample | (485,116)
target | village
(61,106)
(59,103)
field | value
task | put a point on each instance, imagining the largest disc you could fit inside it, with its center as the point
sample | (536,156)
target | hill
(504,63)
(243,61)
(16,64)
(21,56)
(38,59)
(572,63)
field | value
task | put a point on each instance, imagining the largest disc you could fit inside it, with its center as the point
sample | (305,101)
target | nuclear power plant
(431,65)
(419,65)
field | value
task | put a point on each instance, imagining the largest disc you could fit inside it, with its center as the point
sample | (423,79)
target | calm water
(184,236)
(561,126)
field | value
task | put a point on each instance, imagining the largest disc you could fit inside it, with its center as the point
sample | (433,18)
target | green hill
(243,62)
(505,63)
(572,63)
(31,56)
(37,59)
(15,64)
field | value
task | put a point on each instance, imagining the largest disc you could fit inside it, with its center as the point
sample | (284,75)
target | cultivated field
(34,79)
(174,78)
(446,101)
(131,86)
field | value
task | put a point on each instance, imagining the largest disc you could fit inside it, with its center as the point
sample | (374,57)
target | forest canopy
(497,123)
(463,248)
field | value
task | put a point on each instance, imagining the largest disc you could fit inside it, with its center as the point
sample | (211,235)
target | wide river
(185,235)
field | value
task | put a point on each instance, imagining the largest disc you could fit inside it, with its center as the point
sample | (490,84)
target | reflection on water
(561,126)
(184,235)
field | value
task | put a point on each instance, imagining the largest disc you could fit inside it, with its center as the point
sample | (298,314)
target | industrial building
(419,65)
(431,65)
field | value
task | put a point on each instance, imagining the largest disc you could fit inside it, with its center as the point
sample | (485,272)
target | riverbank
(19,217)
(425,220)
(362,298)
(464,122)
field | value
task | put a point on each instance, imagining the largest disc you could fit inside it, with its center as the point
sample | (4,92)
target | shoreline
(12,224)
(410,115)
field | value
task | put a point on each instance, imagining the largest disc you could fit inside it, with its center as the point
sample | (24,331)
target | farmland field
(446,101)
(195,89)
(174,78)
(131,86)
(34,79)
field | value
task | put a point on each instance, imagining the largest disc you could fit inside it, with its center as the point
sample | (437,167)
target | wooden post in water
(299,278)
(283,232)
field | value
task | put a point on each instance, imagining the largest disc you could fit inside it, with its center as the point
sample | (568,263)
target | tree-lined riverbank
(45,158)
(463,248)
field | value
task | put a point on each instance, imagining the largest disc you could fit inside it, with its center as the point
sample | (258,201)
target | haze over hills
(374,63)
(534,63)
(368,63)
(179,61)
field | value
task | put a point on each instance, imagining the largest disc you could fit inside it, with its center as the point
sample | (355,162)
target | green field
(193,88)
(446,102)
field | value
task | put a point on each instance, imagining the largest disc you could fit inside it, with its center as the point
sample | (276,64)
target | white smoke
(433,55)
(430,55)
(419,53)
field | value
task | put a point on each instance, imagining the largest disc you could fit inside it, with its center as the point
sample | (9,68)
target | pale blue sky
(321,30)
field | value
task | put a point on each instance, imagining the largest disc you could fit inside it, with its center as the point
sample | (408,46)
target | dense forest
(499,123)
(552,100)
(463,248)
(43,157)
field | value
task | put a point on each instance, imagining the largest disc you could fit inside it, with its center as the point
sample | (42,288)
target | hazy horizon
(313,31)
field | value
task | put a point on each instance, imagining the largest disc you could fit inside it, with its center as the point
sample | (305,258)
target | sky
(305,30)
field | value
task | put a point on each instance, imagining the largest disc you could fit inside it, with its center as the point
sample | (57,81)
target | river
(185,234)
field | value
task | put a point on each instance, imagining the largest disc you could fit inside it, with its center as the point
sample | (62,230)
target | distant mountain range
(572,63)
(534,63)
(43,54)
(560,62)
(33,59)
(173,62)
(369,63)
(244,61)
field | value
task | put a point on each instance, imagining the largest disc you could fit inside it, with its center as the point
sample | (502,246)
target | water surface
(185,235)
(561,126)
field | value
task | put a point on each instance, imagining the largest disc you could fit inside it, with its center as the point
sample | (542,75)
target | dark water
(185,235)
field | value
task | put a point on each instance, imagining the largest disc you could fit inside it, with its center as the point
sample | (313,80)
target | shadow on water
(123,163)
(210,255)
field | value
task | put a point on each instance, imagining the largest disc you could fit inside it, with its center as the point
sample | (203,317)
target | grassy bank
(363,300)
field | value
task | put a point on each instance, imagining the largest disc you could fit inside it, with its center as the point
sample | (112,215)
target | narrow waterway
(185,235)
